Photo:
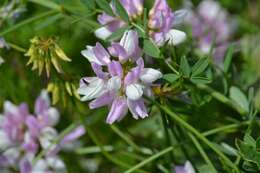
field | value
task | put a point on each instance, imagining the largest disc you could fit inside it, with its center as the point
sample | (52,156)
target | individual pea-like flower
(23,135)
(134,8)
(186,168)
(160,22)
(45,52)
(211,26)
(125,81)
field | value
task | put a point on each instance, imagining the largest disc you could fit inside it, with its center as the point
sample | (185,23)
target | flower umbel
(125,81)
(45,52)
(160,22)
(24,135)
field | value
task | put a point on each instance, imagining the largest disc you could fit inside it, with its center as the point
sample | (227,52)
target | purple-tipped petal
(75,134)
(103,100)
(34,126)
(133,7)
(42,103)
(187,168)
(115,69)
(104,19)
(130,43)
(137,108)
(25,166)
(98,70)
(133,76)
(101,54)
(118,110)
(119,51)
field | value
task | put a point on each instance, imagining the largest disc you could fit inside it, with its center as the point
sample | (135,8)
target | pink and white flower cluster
(121,78)
(210,25)
(24,135)
(160,22)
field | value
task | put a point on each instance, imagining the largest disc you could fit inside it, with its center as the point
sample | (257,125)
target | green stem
(126,138)
(47,3)
(202,152)
(225,128)
(197,134)
(167,134)
(94,149)
(16,47)
(28,21)
(105,153)
(150,159)
(217,95)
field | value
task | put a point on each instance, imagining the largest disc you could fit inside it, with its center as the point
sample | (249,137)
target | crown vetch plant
(172,91)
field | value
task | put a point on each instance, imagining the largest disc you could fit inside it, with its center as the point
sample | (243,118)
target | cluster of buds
(60,91)
(125,81)
(25,135)
(211,27)
(160,22)
(45,52)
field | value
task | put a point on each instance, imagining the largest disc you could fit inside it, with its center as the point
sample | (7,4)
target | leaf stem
(225,128)
(105,153)
(197,134)
(222,98)
(149,159)
(28,21)
(127,139)
(202,152)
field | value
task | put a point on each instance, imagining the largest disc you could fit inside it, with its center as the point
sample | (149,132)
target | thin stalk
(94,149)
(105,153)
(222,98)
(28,21)
(225,128)
(182,147)
(166,131)
(149,159)
(126,138)
(202,152)
(47,3)
(16,47)
(197,134)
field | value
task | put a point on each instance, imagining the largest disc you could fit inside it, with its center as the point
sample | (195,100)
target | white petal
(53,116)
(149,75)
(12,154)
(40,166)
(89,54)
(188,167)
(134,91)
(179,16)
(95,88)
(48,135)
(44,95)
(1,60)
(114,83)
(56,164)
(127,41)
(4,142)
(175,37)
(102,33)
